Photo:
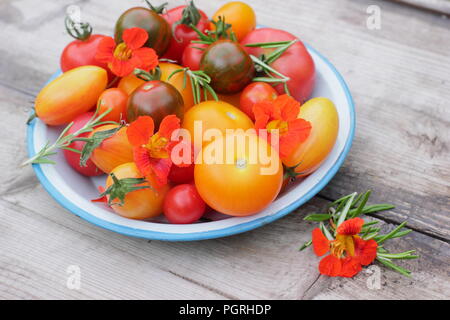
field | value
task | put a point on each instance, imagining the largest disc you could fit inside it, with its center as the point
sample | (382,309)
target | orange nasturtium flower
(282,114)
(348,252)
(152,151)
(122,58)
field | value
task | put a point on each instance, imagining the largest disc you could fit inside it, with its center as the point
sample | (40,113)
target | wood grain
(441,6)
(398,77)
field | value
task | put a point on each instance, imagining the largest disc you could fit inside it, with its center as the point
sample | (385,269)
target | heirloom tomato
(308,156)
(183,204)
(73,158)
(179,175)
(228,65)
(158,29)
(139,204)
(81,52)
(180,19)
(116,100)
(253,93)
(71,94)
(244,179)
(177,80)
(156,99)
(217,115)
(129,83)
(113,151)
(240,15)
(295,63)
(192,55)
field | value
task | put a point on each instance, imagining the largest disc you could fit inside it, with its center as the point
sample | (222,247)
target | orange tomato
(139,204)
(310,154)
(213,115)
(240,15)
(116,100)
(70,95)
(232,99)
(178,82)
(239,182)
(113,151)
(129,83)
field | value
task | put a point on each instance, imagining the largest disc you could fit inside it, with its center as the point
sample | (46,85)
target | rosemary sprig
(148,76)
(199,80)
(64,139)
(354,205)
(93,142)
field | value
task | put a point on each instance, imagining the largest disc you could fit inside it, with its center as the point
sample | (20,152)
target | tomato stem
(78,30)
(158,9)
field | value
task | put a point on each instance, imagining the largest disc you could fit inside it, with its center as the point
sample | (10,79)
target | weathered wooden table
(399,78)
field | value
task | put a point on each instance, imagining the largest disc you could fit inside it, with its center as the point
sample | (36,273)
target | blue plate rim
(194,236)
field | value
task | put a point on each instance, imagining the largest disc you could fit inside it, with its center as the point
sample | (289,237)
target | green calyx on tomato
(158,29)
(121,187)
(158,9)
(190,15)
(78,30)
(220,33)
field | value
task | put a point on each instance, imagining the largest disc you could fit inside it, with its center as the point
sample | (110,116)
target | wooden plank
(441,6)
(260,264)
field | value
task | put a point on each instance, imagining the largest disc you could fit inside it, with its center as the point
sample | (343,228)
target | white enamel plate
(74,191)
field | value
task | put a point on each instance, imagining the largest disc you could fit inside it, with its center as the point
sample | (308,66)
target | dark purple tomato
(156,99)
(229,66)
(158,29)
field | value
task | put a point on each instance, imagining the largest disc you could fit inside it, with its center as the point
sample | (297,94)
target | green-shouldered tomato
(158,29)
(156,99)
(229,66)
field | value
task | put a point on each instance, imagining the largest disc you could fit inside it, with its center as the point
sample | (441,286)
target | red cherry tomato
(73,158)
(296,63)
(180,175)
(82,53)
(116,100)
(192,55)
(182,33)
(183,204)
(253,93)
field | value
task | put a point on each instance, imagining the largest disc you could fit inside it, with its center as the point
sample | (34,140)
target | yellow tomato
(70,95)
(233,99)
(217,115)
(139,204)
(240,15)
(322,115)
(178,82)
(129,83)
(238,179)
(113,151)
